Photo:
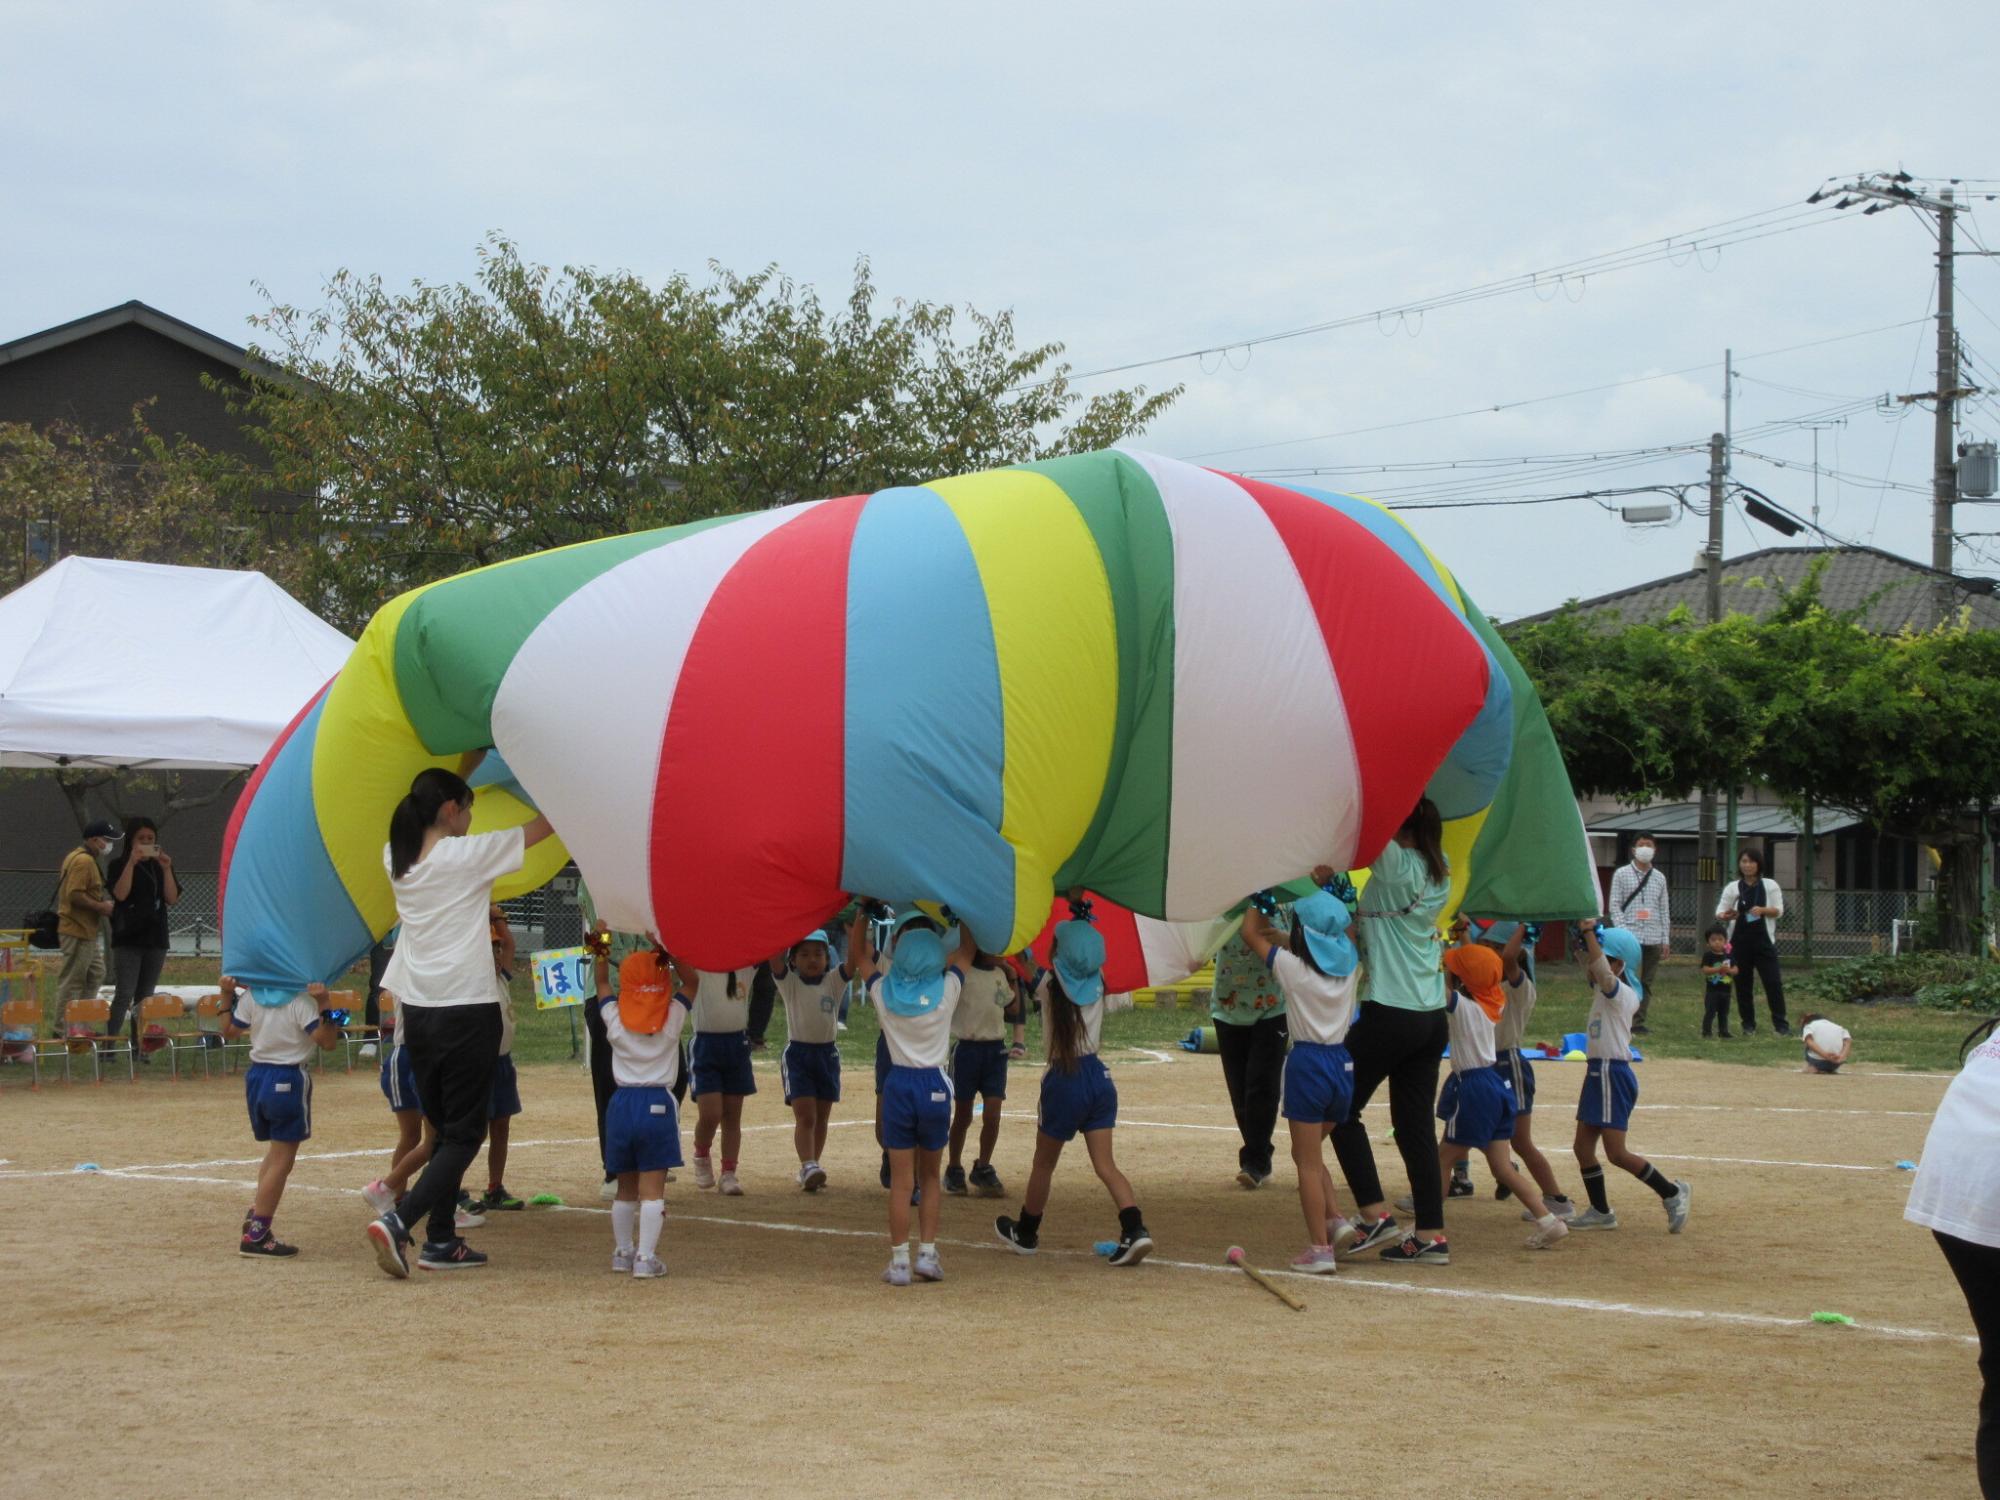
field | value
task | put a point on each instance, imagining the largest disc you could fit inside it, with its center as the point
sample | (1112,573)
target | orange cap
(645,992)
(1479,969)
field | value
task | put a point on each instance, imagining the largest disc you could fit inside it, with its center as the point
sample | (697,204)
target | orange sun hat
(1479,969)
(645,992)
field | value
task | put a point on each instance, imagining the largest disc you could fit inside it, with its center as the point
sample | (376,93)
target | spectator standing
(143,887)
(1752,907)
(1248,1009)
(82,904)
(1639,904)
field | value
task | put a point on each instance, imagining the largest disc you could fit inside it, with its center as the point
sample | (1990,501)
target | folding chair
(359,1034)
(169,1013)
(96,1014)
(344,1000)
(26,1015)
(207,1038)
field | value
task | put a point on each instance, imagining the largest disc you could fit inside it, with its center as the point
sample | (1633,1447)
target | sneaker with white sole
(1251,1181)
(730,1187)
(465,1218)
(453,1255)
(648,1266)
(1315,1260)
(621,1260)
(1677,1206)
(928,1267)
(1011,1236)
(813,1177)
(1368,1236)
(986,1182)
(378,1196)
(367,1049)
(1548,1236)
(704,1172)
(954,1181)
(1132,1248)
(1593,1218)
(1341,1233)
(1411,1251)
(898,1273)
(608,1192)
(1562,1208)
(389,1238)
(1406,1204)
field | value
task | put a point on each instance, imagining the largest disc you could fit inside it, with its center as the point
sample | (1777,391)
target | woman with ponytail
(447,999)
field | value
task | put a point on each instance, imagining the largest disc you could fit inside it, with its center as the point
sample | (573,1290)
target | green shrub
(1881,975)
(1981,994)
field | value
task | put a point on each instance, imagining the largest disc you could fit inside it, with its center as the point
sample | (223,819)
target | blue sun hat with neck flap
(1325,919)
(914,985)
(1079,961)
(1620,944)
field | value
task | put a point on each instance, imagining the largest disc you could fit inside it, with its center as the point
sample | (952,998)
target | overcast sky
(1131,180)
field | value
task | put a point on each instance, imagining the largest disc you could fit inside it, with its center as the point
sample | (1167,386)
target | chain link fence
(1845,924)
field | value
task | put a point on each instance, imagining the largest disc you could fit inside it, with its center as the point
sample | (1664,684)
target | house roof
(149,318)
(1670,820)
(1896,592)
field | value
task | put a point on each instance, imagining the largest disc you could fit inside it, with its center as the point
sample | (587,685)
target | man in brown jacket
(82,904)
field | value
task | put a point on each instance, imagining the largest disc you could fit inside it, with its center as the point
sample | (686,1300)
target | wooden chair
(169,1013)
(26,1015)
(96,1014)
(210,1011)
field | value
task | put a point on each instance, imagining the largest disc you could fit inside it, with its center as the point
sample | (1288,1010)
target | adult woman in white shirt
(1956,1195)
(1751,905)
(447,1000)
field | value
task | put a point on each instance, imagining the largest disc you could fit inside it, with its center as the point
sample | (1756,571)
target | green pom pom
(546,1200)
(1833,1317)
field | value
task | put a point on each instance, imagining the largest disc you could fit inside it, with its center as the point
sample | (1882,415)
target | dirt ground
(143,1356)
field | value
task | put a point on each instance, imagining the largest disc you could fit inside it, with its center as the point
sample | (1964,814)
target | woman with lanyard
(447,1000)
(1752,905)
(1956,1195)
(1399,1035)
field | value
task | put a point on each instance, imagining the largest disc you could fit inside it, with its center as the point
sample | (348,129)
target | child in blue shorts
(912,920)
(1610,1090)
(720,1063)
(642,1132)
(979,1072)
(914,1002)
(1477,1104)
(1517,983)
(277,1088)
(1316,966)
(811,989)
(1077,1093)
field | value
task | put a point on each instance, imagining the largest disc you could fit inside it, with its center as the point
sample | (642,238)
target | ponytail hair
(1064,1023)
(415,814)
(1425,830)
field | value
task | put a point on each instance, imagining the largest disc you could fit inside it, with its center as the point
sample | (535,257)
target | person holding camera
(1752,906)
(82,904)
(143,886)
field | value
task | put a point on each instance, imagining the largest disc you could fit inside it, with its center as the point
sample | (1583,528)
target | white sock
(624,1214)
(899,1255)
(1547,1220)
(652,1216)
(928,1248)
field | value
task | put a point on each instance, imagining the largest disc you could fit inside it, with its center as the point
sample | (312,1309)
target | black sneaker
(1411,1251)
(1749,1030)
(1010,1235)
(954,1180)
(1501,1192)
(986,1182)
(1132,1248)
(885,1169)
(1642,1031)
(499,1200)
(1368,1236)
(1781,1028)
(269,1246)
(452,1255)
(1461,1187)
(389,1238)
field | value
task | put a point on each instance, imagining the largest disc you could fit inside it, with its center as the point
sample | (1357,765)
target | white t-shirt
(1610,1026)
(812,1006)
(1321,1006)
(1472,1045)
(982,1010)
(445,953)
(919,1041)
(1093,1021)
(279,1033)
(644,1060)
(1957,1186)
(1513,1022)
(1828,1036)
(713,1009)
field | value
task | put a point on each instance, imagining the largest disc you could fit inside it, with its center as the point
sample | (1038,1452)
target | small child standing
(1517,983)
(277,1088)
(642,1133)
(979,1072)
(1610,1090)
(1718,981)
(721,1068)
(809,1067)
(506,1100)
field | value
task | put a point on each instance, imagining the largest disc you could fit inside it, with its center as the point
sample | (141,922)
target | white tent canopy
(130,664)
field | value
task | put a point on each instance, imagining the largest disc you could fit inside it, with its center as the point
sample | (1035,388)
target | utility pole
(1944,463)
(1708,869)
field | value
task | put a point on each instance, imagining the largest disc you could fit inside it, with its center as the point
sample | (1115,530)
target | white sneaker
(1590,1218)
(379,1197)
(1677,1206)
(1406,1204)
(621,1260)
(1340,1232)
(928,1267)
(465,1220)
(731,1188)
(647,1267)
(1548,1236)
(812,1177)
(608,1192)
(367,1049)
(704,1173)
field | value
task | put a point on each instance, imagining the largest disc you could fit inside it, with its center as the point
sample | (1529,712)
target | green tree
(451,426)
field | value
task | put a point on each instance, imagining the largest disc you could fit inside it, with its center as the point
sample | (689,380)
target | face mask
(1643,854)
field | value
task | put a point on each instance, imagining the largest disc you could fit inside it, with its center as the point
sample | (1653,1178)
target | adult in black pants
(1752,905)
(763,995)
(447,999)
(1399,1036)
(1248,1010)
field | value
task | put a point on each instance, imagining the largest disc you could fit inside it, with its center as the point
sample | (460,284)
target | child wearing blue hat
(1077,1095)
(914,1002)
(811,987)
(1610,1090)
(1317,967)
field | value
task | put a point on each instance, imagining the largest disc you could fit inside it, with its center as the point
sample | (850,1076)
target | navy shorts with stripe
(810,1070)
(916,1109)
(1084,1100)
(721,1063)
(642,1131)
(506,1089)
(980,1068)
(1477,1107)
(399,1080)
(1610,1090)
(279,1096)
(1318,1083)
(1519,1075)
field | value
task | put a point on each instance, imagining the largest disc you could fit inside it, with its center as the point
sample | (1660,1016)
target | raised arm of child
(1260,935)
(1594,962)
(327,1032)
(231,1027)
(1510,954)
(861,943)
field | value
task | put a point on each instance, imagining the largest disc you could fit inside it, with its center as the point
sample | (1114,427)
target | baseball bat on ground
(1236,1259)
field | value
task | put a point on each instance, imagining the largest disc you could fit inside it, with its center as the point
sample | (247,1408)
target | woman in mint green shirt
(1399,1035)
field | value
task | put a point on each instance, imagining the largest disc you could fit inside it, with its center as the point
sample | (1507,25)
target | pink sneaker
(1314,1260)
(379,1197)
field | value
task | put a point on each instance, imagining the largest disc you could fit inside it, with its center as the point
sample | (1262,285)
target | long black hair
(133,828)
(415,814)
(1065,1025)
(1425,829)
(1297,945)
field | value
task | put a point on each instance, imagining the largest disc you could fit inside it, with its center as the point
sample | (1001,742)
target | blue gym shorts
(810,1070)
(399,1080)
(721,1063)
(980,1068)
(1519,1075)
(279,1096)
(642,1131)
(1609,1093)
(1084,1100)
(1477,1107)
(916,1109)
(1318,1083)
(506,1090)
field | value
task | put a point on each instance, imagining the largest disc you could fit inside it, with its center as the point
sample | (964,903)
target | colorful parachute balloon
(1116,671)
